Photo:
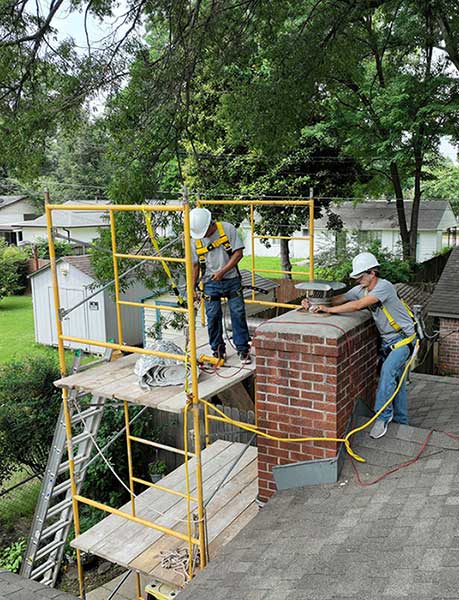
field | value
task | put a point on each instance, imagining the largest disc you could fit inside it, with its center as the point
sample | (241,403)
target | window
(366,237)
(340,243)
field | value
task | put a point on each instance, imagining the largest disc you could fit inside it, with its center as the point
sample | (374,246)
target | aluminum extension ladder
(53,513)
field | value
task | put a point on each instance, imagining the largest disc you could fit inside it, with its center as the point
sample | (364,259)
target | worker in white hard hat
(395,327)
(216,253)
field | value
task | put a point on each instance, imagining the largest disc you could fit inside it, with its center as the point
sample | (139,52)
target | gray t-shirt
(217,258)
(387,294)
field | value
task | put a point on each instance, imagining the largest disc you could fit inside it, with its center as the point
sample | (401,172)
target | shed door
(76,323)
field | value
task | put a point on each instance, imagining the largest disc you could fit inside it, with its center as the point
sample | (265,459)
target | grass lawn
(269,263)
(17,336)
(20,502)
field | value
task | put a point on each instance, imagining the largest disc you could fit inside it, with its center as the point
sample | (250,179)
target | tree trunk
(286,265)
(404,233)
(415,210)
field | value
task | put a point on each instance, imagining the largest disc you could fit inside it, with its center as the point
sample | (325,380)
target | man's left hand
(218,276)
(321,308)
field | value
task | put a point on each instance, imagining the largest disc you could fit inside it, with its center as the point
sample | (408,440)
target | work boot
(380,428)
(245,357)
(220,353)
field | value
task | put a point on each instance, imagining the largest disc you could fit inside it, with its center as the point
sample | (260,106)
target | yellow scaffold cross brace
(345,440)
(180,299)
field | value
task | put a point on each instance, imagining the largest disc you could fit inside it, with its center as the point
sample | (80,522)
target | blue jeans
(214,315)
(392,369)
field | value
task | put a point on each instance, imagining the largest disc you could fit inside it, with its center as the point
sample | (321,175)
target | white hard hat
(200,219)
(365,261)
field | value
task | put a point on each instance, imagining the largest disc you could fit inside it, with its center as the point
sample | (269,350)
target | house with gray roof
(77,224)
(363,223)
(444,306)
(369,221)
(15,209)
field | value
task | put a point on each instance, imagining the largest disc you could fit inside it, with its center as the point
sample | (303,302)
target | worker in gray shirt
(395,326)
(215,254)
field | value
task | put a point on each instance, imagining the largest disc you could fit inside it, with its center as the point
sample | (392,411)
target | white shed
(95,319)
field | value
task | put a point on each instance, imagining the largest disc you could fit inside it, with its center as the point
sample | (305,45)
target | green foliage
(100,484)
(442,183)
(29,405)
(158,467)
(392,268)
(13,270)
(61,247)
(11,557)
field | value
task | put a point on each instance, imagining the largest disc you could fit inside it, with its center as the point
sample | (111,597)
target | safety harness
(393,323)
(202,252)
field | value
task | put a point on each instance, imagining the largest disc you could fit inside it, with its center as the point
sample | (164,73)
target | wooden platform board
(116,380)
(138,547)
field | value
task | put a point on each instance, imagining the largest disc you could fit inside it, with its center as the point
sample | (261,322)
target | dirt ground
(95,574)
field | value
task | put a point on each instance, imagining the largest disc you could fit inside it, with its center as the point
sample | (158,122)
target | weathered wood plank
(131,541)
(175,480)
(116,379)
(230,493)
(216,525)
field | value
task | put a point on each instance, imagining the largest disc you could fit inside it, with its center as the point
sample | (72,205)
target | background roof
(445,299)
(72,218)
(7,200)
(375,216)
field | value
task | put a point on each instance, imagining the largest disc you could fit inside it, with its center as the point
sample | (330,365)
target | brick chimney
(310,371)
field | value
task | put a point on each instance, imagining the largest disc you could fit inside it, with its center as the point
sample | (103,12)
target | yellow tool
(213,360)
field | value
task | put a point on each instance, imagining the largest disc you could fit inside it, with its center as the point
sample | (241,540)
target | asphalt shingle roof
(18,588)
(445,299)
(413,294)
(398,538)
(83,263)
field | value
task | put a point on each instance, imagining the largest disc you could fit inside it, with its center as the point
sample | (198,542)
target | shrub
(11,557)
(392,268)
(61,248)
(29,406)
(13,270)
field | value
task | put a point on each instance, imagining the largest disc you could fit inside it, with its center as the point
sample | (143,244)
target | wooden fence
(171,426)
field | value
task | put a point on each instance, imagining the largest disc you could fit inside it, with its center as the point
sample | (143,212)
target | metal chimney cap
(321,285)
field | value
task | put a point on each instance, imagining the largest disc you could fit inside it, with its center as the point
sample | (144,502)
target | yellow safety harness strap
(390,318)
(180,299)
(220,241)
(393,323)
(202,250)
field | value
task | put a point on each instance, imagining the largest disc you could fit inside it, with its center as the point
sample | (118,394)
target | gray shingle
(445,299)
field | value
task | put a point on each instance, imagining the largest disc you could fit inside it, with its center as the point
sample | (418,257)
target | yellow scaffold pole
(194,380)
(62,366)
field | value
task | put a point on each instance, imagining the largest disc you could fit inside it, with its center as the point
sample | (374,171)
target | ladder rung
(54,528)
(49,564)
(85,414)
(48,582)
(63,487)
(59,507)
(81,437)
(49,548)
(65,465)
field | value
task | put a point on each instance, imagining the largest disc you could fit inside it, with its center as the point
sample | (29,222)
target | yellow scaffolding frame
(310,238)
(193,397)
(190,355)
